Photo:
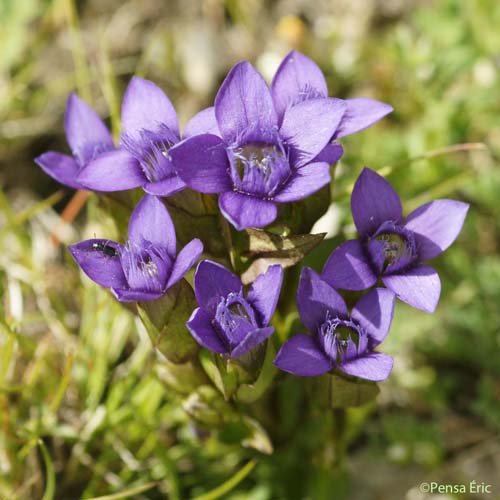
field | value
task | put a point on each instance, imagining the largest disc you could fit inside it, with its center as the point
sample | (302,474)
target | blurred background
(85,410)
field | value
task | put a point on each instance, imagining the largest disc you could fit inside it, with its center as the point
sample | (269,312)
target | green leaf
(165,321)
(220,372)
(249,393)
(207,407)
(336,391)
(265,249)
(257,438)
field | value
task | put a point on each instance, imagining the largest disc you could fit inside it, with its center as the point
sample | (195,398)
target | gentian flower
(298,79)
(147,265)
(338,340)
(393,248)
(150,130)
(227,321)
(87,137)
(249,158)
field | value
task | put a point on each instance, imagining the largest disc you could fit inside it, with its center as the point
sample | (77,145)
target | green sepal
(165,321)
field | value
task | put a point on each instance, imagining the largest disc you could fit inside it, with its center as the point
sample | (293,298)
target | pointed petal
(185,261)
(301,356)
(200,327)
(62,168)
(330,154)
(374,312)
(305,143)
(146,107)
(374,201)
(348,268)
(374,366)
(201,162)
(166,187)
(264,293)
(85,131)
(99,260)
(244,107)
(113,171)
(244,211)
(361,113)
(305,181)
(213,281)
(316,298)
(419,287)
(298,78)
(127,295)
(252,339)
(203,122)
(151,222)
(436,226)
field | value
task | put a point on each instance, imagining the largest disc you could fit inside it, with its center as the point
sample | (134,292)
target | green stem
(339,435)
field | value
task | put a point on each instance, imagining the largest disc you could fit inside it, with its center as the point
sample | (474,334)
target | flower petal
(361,113)
(99,260)
(264,293)
(165,187)
(305,181)
(126,295)
(316,299)
(374,312)
(203,122)
(330,154)
(213,281)
(200,327)
(307,142)
(374,366)
(436,225)
(185,261)
(146,107)
(244,211)
(85,131)
(301,356)
(374,201)
(62,168)
(348,268)
(297,79)
(419,287)
(244,107)
(201,162)
(150,222)
(113,171)
(252,339)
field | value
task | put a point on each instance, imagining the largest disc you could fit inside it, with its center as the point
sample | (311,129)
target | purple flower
(150,130)
(298,79)
(227,321)
(338,340)
(252,159)
(393,248)
(87,137)
(147,266)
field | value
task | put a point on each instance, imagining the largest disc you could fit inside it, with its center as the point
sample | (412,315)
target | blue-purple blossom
(150,131)
(250,156)
(228,321)
(338,340)
(299,78)
(393,248)
(147,265)
(88,138)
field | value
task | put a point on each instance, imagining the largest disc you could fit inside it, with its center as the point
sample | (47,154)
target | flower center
(342,340)
(146,268)
(258,169)
(152,152)
(234,318)
(392,248)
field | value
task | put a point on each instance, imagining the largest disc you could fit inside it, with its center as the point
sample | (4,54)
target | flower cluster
(258,146)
